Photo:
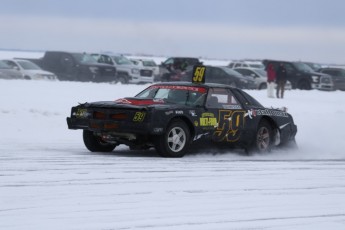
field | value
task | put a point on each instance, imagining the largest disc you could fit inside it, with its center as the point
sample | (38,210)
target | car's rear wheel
(122,79)
(263,137)
(175,141)
(95,143)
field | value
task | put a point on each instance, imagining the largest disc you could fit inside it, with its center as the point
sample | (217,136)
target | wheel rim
(176,139)
(263,139)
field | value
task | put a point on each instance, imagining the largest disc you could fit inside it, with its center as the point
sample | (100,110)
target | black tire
(304,84)
(263,86)
(175,142)
(122,79)
(95,144)
(26,77)
(263,137)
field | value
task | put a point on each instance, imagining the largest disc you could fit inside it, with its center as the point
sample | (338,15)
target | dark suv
(173,66)
(302,76)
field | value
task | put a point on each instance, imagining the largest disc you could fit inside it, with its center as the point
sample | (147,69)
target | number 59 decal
(199,74)
(139,116)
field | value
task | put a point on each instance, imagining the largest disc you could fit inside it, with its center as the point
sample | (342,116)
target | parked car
(247,64)
(302,76)
(127,72)
(6,72)
(223,75)
(69,66)
(175,66)
(30,70)
(147,64)
(259,76)
(313,65)
(171,116)
(338,76)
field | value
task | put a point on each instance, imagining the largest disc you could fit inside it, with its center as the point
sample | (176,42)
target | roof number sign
(199,74)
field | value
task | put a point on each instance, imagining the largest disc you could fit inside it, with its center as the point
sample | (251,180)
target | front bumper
(134,79)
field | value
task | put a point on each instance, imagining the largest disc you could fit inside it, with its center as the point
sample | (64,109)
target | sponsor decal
(231,106)
(139,116)
(268,112)
(251,113)
(169,113)
(179,112)
(283,126)
(158,130)
(192,113)
(208,119)
(196,123)
(277,113)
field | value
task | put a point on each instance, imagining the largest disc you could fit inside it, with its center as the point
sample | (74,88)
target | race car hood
(139,101)
(128,102)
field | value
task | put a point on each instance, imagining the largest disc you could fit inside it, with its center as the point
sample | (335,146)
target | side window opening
(220,98)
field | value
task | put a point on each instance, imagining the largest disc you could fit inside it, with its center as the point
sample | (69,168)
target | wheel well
(304,83)
(263,86)
(270,121)
(122,73)
(188,123)
(274,126)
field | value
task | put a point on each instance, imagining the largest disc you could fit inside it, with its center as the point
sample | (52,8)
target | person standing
(271,77)
(281,79)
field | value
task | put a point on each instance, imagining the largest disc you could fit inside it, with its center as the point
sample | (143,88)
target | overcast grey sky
(310,30)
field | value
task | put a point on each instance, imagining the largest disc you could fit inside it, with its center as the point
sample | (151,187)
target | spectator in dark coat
(281,79)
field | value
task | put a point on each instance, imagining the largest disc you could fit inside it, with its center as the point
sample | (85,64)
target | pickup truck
(302,76)
(69,66)
(127,72)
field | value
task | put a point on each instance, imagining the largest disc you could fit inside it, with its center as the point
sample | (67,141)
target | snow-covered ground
(48,180)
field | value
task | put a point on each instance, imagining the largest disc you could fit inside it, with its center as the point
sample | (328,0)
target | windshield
(184,95)
(121,60)
(149,63)
(28,65)
(3,65)
(232,72)
(261,72)
(84,58)
(302,67)
(256,65)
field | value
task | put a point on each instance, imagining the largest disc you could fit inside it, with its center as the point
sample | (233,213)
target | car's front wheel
(175,141)
(95,143)
(263,137)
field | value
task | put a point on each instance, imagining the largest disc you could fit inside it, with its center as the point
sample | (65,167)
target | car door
(224,115)
(68,67)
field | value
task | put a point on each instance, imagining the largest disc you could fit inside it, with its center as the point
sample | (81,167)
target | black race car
(171,116)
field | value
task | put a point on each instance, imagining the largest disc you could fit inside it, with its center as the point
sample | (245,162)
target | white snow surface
(49,180)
